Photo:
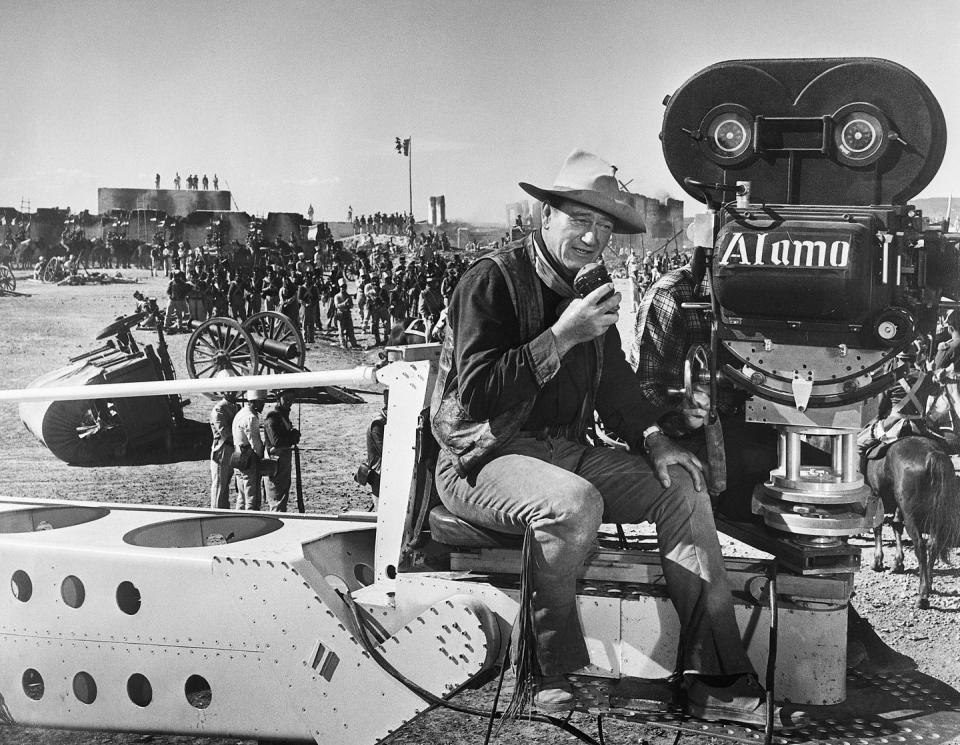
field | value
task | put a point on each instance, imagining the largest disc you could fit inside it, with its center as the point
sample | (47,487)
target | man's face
(257,406)
(575,234)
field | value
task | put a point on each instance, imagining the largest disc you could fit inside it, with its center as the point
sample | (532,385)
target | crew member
(249,450)
(221,450)
(281,437)
(523,366)
(663,333)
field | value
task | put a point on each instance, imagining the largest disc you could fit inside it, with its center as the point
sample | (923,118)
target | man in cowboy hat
(523,367)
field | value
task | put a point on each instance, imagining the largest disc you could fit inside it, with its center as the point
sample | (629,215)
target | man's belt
(551,431)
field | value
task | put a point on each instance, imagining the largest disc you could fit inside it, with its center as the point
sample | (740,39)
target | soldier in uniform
(343,303)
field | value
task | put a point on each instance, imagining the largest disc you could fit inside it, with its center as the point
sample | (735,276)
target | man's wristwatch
(653,429)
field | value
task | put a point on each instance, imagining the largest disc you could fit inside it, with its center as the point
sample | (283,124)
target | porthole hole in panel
(72,591)
(139,690)
(198,692)
(32,684)
(364,574)
(128,598)
(84,687)
(21,585)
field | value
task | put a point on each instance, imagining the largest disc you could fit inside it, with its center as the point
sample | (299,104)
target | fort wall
(175,202)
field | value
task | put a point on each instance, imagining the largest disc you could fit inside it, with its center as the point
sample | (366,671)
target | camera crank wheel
(696,369)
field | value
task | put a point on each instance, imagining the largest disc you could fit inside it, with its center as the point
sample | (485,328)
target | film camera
(822,275)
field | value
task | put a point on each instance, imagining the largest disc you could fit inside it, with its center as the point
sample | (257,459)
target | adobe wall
(283,225)
(233,227)
(175,202)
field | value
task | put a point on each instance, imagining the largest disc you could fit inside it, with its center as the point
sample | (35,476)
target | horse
(27,252)
(916,481)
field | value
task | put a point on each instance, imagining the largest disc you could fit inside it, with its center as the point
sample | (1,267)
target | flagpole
(410,171)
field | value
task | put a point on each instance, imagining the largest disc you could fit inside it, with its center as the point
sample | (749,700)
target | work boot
(743,701)
(554,693)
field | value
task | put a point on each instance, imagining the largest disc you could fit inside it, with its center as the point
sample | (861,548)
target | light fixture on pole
(404,147)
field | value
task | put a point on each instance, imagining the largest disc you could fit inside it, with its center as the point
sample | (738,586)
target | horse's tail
(943,517)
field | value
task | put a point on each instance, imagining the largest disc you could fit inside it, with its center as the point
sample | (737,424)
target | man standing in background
(281,437)
(221,451)
(249,450)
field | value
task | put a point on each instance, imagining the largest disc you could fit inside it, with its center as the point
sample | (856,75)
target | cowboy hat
(589,180)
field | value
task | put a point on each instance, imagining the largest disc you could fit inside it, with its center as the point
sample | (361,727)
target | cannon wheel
(8,282)
(51,270)
(221,345)
(276,326)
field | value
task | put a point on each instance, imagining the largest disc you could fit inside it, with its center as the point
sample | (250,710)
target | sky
(298,103)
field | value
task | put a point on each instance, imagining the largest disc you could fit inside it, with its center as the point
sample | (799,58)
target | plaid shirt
(663,333)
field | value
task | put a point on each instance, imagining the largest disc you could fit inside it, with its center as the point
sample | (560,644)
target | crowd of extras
(391,287)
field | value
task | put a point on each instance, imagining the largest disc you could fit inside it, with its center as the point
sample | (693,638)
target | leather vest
(471,442)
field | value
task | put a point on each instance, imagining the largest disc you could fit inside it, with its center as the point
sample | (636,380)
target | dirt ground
(40,333)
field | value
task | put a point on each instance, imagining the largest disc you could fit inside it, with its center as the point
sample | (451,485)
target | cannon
(343,628)
(264,342)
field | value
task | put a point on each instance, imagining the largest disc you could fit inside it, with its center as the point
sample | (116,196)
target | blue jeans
(563,490)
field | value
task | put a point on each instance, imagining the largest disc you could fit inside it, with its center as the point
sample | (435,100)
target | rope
(436,700)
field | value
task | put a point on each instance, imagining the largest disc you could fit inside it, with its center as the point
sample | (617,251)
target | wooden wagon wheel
(218,346)
(8,282)
(277,327)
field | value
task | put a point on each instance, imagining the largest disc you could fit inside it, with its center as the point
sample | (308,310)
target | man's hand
(664,452)
(695,408)
(586,318)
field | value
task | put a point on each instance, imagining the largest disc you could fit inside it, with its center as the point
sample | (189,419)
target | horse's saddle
(910,429)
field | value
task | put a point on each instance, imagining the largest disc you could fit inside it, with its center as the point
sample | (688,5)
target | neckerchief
(547,269)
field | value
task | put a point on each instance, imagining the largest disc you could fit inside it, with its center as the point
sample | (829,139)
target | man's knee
(682,497)
(580,510)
